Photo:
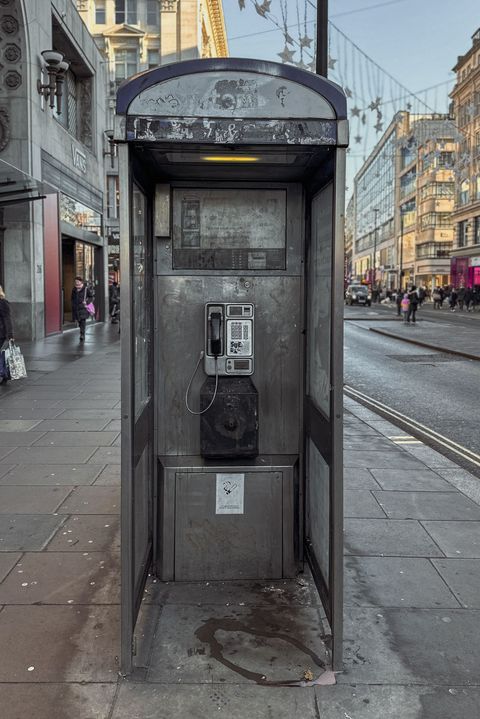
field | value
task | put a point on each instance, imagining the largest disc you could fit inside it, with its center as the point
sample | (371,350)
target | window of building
(435,219)
(100,12)
(126,11)
(408,155)
(153,58)
(126,64)
(462,234)
(152,13)
(476,231)
(113,196)
(445,159)
(408,182)
(68,116)
(437,189)
(464,196)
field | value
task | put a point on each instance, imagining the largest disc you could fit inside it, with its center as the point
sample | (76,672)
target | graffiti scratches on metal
(225,131)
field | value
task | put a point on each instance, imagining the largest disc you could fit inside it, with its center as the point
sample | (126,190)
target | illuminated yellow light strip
(230,158)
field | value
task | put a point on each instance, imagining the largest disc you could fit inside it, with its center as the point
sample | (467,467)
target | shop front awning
(17,186)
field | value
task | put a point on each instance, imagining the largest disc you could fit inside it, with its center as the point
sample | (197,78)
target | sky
(415,42)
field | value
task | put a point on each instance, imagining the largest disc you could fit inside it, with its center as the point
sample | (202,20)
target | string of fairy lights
(375,98)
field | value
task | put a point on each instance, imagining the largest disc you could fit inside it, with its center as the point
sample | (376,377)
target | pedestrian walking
(437,298)
(398,302)
(405,304)
(6,333)
(461,298)
(413,305)
(468,299)
(452,300)
(114,302)
(82,295)
(421,295)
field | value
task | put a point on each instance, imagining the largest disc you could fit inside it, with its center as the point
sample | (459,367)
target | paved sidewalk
(412,594)
(446,335)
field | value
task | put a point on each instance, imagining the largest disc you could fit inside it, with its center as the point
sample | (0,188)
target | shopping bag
(15,362)
(90,308)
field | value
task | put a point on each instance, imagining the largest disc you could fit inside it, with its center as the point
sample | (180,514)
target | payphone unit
(229,338)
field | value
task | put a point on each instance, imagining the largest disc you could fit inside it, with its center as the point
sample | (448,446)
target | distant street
(442,392)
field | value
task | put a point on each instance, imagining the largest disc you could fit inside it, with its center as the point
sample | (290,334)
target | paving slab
(381,459)
(463,481)
(19,439)
(71,439)
(399,702)
(62,643)
(15,425)
(374,443)
(356,478)
(21,401)
(359,429)
(361,503)
(24,532)
(63,578)
(91,500)
(78,403)
(104,455)
(456,539)
(378,537)
(86,414)
(25,499)
(71,425)
(236,644)
(411,646)
(115,425)
(110,476)
(424,480)
(395,582)
(153,701)
(430,457)
(7,561)
(29,413)
(52,455)
(58,474)
(291,592)
(87,533)
(427,505)
(56,701)
(463,578)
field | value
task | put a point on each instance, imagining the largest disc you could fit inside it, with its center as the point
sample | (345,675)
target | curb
(426,344)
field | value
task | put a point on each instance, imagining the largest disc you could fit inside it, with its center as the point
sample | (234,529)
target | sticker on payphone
(239,338)
(230,492)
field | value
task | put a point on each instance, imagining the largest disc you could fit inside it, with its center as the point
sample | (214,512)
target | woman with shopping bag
(82,304)
(6,334)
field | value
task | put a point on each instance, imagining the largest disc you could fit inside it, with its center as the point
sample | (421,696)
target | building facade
(403,199)
(136,35)
(465,260)
(51,179)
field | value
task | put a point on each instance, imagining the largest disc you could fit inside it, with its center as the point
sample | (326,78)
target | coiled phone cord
(200,357)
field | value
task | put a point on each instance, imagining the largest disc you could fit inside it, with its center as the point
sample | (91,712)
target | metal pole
(322,38)
(374,279)
(401,250)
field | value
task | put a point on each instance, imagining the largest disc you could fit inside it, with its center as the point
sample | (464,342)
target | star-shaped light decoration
(379,126)
(305,41)
(375,104)
(300,64)
(409,106)
(355,111)
(286,55)
(313,65)
(241,4)
(331,62)
(358,139)
(347,91)
(263,8)
(288,38)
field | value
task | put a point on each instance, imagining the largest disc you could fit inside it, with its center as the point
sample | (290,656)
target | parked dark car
(358,295)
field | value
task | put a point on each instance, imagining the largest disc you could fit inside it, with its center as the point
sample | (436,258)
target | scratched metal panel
(233,131)
(228,546)
(285,258)
(231,94)
(180,338)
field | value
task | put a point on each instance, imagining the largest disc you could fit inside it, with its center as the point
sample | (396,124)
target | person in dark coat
(82,295)
(6,333)
(413,306)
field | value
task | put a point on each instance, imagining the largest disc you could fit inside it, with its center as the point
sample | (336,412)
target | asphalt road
(441,393)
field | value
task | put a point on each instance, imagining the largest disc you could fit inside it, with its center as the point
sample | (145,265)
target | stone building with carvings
(136,35)
(52,123)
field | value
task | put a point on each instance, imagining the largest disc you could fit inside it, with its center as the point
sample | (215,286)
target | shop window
(113,197)
(464,196)
(462,234)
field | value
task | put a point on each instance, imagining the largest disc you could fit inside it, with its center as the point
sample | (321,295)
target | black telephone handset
(216,333)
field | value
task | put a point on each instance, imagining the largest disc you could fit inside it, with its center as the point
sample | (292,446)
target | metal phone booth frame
(232,182)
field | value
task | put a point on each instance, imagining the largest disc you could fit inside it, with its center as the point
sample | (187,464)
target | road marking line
(436,436)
